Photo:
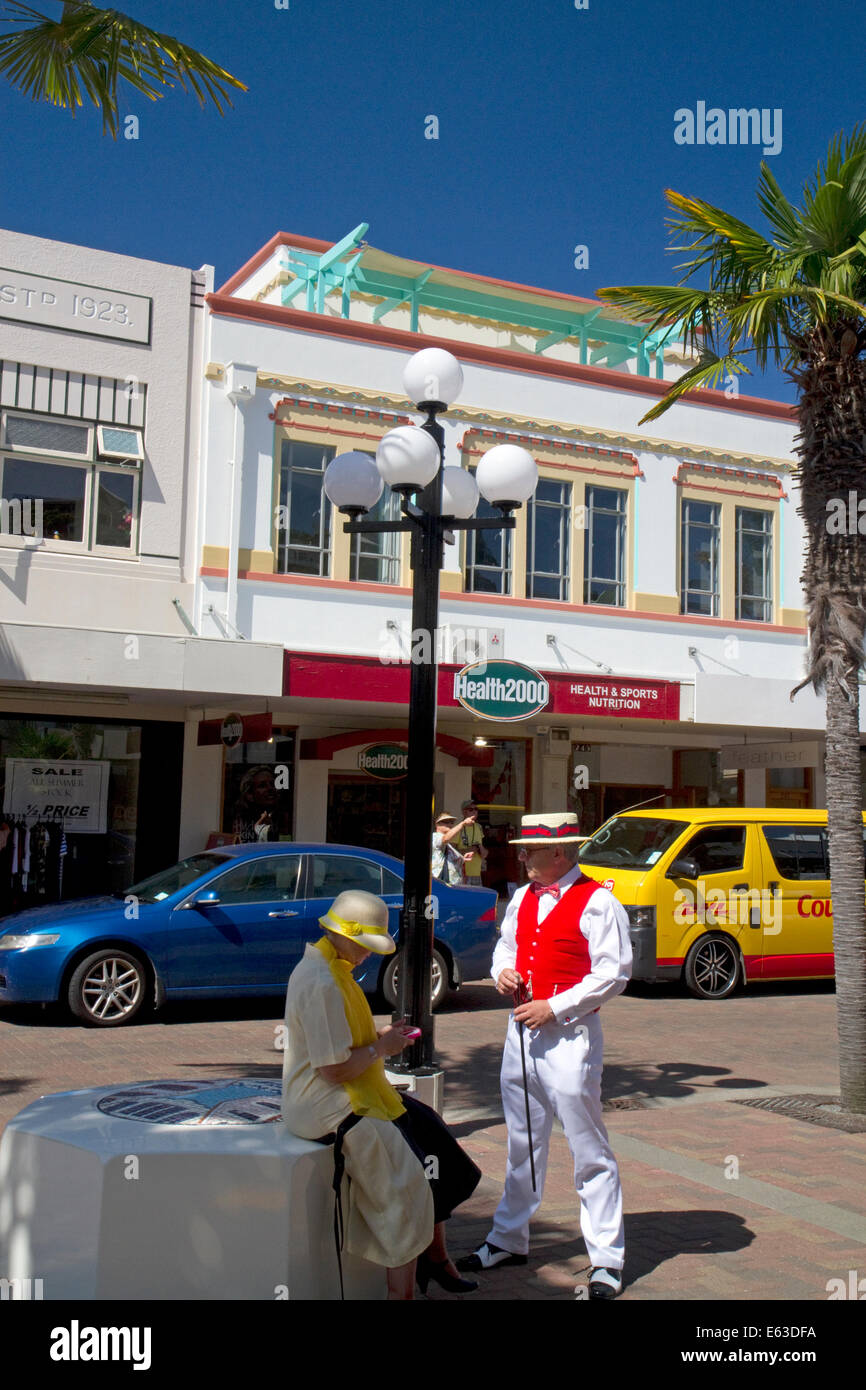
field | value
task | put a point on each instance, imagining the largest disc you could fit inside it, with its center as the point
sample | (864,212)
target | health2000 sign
(501,690)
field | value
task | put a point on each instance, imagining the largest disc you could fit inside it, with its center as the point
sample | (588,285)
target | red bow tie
(539,888)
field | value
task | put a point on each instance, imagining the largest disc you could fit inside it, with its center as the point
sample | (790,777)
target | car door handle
(282,914)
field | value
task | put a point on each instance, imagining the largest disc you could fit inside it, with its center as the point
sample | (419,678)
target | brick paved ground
(722,1201)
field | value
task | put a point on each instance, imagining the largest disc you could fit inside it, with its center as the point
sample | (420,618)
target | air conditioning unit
(559,742)
(463,646)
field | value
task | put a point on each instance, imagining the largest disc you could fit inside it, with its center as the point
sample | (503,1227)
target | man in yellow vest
(470,842)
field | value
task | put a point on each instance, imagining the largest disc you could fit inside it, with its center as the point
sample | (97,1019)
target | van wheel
(712,969)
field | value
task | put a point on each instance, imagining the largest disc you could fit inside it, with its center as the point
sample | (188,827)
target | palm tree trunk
(845,825)
(832,446)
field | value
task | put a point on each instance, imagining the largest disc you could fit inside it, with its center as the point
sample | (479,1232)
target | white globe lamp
(353,483)
(433,377)
(459,493)
(407,458)
(507,476)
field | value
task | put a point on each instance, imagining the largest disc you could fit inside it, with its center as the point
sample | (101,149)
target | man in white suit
(565,939)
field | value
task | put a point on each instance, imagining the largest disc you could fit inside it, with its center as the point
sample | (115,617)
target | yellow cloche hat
(555,828)
(363,918)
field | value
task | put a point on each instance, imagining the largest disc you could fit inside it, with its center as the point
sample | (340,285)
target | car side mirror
(209,899)
(683,867)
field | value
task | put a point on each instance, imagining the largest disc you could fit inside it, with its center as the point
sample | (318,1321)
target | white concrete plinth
(430,1089)
(193,1193)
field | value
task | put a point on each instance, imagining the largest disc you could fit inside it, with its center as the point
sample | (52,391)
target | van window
(799,851)
(718,848)
(635,842)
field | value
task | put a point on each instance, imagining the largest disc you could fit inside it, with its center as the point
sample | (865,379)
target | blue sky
(555,129)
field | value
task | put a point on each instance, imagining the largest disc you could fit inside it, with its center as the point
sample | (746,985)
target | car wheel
(712,969)
(391,979)
(108,988)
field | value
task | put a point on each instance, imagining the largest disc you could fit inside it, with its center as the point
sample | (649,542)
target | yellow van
(719,896)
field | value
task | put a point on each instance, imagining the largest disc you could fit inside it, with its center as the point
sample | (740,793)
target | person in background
(470,842)
(447,862)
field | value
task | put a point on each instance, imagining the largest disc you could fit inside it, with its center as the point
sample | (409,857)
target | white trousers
(563,1072)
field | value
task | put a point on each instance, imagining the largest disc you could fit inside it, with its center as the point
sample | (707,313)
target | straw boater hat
(443,815)
(556,827)
(363,918)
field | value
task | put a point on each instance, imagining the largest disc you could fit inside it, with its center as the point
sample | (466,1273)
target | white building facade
(654,581)
(103,677)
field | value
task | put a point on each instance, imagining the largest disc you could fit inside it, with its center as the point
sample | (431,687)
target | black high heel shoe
(437,1270)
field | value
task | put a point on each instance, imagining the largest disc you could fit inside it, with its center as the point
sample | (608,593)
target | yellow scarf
(370,1093)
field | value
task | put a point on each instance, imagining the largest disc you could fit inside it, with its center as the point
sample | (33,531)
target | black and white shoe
(605,1283)
(488,1256)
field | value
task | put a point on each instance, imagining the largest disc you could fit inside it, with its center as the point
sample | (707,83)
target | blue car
(223,924)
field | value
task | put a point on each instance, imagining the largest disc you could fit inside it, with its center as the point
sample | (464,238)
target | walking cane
(522,995)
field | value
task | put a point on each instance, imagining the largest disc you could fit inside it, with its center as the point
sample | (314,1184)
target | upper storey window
(304,537)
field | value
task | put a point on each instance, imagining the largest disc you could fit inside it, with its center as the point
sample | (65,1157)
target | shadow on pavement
(556,1259)
(668,1081)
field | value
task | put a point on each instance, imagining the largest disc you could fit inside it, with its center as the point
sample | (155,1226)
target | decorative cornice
(280,413)
(734,476)
(581,434)
(551,446)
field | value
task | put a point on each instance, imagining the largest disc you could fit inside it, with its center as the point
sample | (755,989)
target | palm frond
(706,373)
(89,50)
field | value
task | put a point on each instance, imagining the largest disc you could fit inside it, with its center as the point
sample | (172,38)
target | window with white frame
(304,516)
(754,564)
(548,520)
(604,546)
(61,486)
(699,557)
(488,555)
(376,559)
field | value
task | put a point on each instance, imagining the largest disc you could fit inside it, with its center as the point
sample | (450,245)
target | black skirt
(452,1175)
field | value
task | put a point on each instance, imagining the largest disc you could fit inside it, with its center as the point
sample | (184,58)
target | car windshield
(160,886)
(633,842)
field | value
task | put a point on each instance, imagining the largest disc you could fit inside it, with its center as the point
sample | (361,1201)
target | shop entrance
(619,798)
(367,811)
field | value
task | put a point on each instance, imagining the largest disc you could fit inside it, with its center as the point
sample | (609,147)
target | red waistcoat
(555,954)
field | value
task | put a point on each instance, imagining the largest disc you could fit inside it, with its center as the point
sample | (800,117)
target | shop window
(71,797)
(701,779)
(699,573)
(718,849)
(304,530)
(258,792)
(799,851)
(376,559)
(604,546)
(548,522)
(336,873)
(67,498)
(754,565)
(488,556)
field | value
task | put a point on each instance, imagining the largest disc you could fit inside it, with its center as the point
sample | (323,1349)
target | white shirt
(604,923)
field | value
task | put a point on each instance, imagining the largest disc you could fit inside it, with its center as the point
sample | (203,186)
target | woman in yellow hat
(407,1171)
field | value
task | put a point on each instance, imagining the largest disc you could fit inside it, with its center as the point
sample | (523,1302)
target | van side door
(799,941)
(717,897)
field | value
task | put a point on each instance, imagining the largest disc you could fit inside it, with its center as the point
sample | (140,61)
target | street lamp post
(412,460)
